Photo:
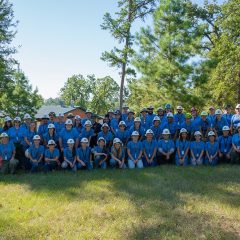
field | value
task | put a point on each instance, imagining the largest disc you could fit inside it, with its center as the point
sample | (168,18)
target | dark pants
(20,155)
(163,160)
(50,166)
(235,157)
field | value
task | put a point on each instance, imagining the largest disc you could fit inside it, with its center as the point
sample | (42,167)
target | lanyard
(225,143)
(135,149)
(84,153)
(198,148)
(149,148)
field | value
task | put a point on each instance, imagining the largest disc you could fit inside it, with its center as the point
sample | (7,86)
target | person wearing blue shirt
(28,136)
(50,135)
(171,126)
(78,124)
(204,125)
(70,156)
(197,148)
(150,115)
(88,117)
(219,123)
(211,117)
(84,155)
(134,150)
(43,128)
(235,119)
(182,147)
(130,119)
(225,145)
(115,121)
(7,153)
(36,152)
(52,155)
(228,114)
(188,125)
(149,150)
(107,135)
(100,154)
(166,148)
(87,131)
(7,124)
(68,133)
(196,120)
(179,117)
(235,154)
(117,154)
(161,114)
(125,112)
(212,150)
(156,128)
(60,124)
(137,127)
(122,133)
(52,116)
(145,123)
(26,124)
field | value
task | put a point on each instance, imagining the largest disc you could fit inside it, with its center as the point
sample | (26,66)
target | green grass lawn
(166,202)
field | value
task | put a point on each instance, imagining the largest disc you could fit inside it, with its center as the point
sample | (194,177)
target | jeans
(132,165)
(97,160)
(88,166)
(9,166)
(152,164)
(114,163)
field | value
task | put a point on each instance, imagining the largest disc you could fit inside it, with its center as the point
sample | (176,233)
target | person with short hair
(235,120)
(197,148)
(212,150)
(70,156)
(52,155)
(100,154)
(84,157)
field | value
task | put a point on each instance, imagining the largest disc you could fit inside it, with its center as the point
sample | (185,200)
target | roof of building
(55,108)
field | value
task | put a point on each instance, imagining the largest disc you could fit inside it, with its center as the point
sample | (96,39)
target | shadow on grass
(158,195)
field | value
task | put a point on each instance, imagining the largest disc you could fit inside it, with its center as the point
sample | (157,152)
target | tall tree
(120,27)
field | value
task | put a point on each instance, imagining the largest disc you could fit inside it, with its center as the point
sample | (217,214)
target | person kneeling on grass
(7,154)
(69,154)
(117,154)
(166,148)
(235,155)
(212,150)
(182,146)
(197,148)
(84,155)
(225,145)
(35,154)
(149,149)
(134,150)
(100,154)
(51,157)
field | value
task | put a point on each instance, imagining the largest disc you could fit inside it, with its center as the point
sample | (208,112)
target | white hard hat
(77,117)
(7,119)
(169,115)
(156,118)
(183,130)
(101,139)
(149,131)
(88,123)
(197,133)
(117,140)
(110,111)
(238,106)
(166,131)
(122,123)
(238,126)
(27,116)
(105,125)
(88,111)
(84,140)
(179,108)
(160,109)
(211,133)
(60,115)
(51,142)
(137,119)
(135,133)
(45,116)
(51,125)
(64,164)
(36,137)
(27,153)
(68,122)
(226,128)
(17,119)
(218,112)
(4,135)
(70,141)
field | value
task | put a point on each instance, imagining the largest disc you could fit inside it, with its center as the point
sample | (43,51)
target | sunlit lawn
(161,203)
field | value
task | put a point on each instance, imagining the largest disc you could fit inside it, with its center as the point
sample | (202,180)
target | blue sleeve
(46,153)
(129,145)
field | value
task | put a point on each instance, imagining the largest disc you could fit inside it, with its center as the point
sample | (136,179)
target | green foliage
(52,101)
(19,97)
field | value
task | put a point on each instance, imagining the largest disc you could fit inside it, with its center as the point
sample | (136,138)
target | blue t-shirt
(140,130)
(225,144)
(157,131)
(211,119)
(6,151)
(86,134)
(188,127)
(145,123)
(212,149)
(59,127)
(204,125)
(166,145)
(36,152)
(29,135)
(99,149)
(69,154)
(150,118)
(79,129)
(114,124)
(52,155)
(236,140)
(108,136)
(172,127)
(84,154)
(228,117)
(183,146)
(66,134)
(123,135)
(15,135)
(219,124)
(196,123)
(43,128)
(149,147)
(135,148)
(179,118)
(129,123)
(47,137)
(197,148)
(235,120)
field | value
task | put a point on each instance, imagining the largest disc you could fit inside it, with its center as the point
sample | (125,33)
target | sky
(58,38)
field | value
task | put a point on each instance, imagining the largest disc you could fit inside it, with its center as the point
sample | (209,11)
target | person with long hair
(197,148)
(100,154)
(117,154)
(70,156)
(212,150)
(84,157)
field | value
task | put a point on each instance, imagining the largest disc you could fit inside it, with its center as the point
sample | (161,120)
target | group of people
(122,140)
